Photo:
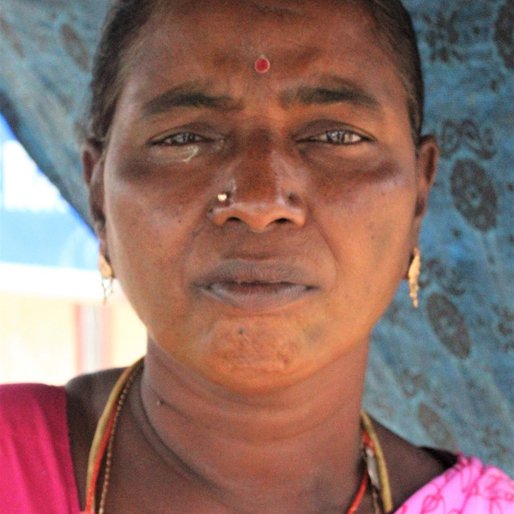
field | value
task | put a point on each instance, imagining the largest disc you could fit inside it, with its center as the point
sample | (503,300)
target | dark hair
(120,35)
(394,25)
(126,18)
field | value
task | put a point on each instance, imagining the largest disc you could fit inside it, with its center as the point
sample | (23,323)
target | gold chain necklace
(104,438)
(102,449)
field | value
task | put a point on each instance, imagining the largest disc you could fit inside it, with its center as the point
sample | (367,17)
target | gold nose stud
(222,197)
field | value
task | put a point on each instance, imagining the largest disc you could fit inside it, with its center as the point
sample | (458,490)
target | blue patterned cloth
(442,375)
(446,373)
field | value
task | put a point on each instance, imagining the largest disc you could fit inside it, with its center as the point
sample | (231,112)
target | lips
(256,286)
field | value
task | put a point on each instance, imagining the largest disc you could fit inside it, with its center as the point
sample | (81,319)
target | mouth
(256,287)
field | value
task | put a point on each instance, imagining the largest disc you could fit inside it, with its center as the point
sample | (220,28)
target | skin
(259,308)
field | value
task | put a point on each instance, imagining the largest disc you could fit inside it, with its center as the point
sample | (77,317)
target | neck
(302,440)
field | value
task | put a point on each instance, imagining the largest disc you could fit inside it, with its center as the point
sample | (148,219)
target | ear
(426,170)
(93,169)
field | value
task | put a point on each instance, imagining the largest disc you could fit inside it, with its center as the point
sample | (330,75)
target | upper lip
(243,271)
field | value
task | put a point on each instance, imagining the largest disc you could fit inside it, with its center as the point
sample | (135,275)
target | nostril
(258,213)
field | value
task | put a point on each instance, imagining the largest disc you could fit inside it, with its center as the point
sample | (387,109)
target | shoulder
(34,445)
(83,396)
(439,482)
(86,398)
(409,467)
(90,391)
(468,487)
(13,393)
(32,405)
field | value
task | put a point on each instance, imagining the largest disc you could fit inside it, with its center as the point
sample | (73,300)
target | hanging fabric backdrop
(442,375)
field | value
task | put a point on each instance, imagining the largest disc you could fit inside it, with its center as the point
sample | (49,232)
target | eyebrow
(187,95)
(331,90)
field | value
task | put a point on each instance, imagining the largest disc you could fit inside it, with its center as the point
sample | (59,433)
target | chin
(250,357)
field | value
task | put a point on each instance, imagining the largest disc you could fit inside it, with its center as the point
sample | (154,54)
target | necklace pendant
(371,465)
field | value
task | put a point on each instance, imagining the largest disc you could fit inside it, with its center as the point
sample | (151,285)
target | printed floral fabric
(469,487)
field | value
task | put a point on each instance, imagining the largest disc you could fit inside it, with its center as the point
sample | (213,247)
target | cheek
(374,189)
(153,201)
(150,219)
(371,211)
(357,179)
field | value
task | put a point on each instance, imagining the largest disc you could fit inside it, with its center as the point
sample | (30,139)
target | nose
(263,189)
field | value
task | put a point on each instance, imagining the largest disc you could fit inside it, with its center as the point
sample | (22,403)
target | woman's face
(323,185)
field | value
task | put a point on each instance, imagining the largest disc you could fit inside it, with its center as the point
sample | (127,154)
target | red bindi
(262,65)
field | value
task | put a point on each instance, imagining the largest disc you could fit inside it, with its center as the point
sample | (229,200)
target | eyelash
(336,137)
(181,139)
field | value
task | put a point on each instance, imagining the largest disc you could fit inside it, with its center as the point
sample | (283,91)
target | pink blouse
(36,468)
(469,487)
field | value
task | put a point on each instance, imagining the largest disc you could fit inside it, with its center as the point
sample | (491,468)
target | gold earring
(413,275)
(107,276)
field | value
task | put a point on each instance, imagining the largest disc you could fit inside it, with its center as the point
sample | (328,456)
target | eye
(181,139)
(338,137)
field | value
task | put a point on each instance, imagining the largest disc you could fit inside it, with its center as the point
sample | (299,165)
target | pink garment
(36,469)
(469,487)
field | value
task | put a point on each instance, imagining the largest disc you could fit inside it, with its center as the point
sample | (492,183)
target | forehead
(219,41)
(234,28)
